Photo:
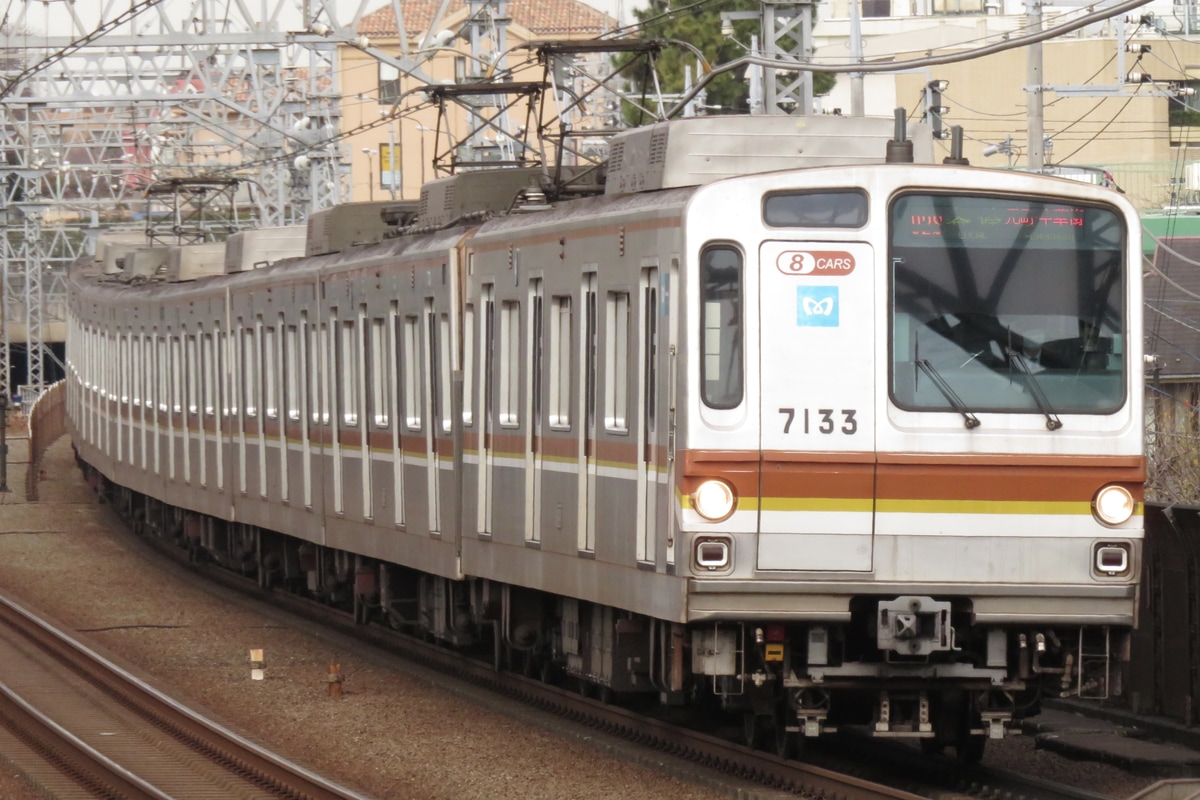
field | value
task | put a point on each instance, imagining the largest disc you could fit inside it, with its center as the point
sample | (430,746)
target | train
(773,418)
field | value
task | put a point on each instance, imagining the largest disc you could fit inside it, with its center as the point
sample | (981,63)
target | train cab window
(1007,305)
(841,208)
(721,340)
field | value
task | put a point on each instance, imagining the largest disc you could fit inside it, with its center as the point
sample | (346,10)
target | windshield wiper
(969,419)
(1053,423)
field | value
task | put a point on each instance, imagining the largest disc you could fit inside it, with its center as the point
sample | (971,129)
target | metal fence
(47,422)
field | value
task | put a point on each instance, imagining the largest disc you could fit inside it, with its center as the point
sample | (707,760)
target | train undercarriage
(903,667)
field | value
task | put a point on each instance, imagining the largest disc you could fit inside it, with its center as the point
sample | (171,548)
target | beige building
(1091,118)
(399,149)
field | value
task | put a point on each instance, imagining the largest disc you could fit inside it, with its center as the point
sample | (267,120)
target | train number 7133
(824,418)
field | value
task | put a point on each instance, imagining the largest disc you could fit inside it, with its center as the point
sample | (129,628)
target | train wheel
(788,744)
(932,747)
(394,619)
(754,729)
(970,749)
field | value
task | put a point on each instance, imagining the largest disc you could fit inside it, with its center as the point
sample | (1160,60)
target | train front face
(911,462)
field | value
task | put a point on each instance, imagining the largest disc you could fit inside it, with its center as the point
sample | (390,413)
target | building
(1101,106)
(372,90)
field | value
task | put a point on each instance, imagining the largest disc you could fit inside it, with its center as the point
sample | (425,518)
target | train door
(268,428)
(648,521)
(487,340)
(672,387)
(433,357)
(588,364)
(310,403)
(534,460)
(398,368)
(361,369)
(336,361)
(290,414)
(816,368)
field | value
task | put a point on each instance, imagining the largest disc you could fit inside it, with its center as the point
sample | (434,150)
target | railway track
(80,726)
(851,769)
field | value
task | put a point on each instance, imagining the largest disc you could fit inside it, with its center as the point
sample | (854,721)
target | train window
(433,353)
(291,372)
(721,340)
(537,365)
(135,370)
(314,367)
(176,375)
(616,363)
(650,312)
(412,371)
(560,362)
(224,371)
(836,208)
(123,344)
(591,326)
(161,375)
(155,351)
(209,354)
(269,373)
(348,368)
(376,378)
(510,363)
(1006,304)
(192,382)
(468,371)
(444,367)
(249,374)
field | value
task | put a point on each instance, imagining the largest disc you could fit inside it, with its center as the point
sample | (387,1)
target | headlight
(1113,505)
(714,500)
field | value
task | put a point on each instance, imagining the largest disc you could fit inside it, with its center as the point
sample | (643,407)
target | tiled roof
(546,18)
(1172,308)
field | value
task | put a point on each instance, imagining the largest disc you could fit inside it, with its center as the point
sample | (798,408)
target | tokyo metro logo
(817,306)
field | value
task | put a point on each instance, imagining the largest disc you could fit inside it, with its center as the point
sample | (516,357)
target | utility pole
(787,31)
(1033,99)
(857,104)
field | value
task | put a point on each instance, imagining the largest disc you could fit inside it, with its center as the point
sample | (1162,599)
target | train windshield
(1006,304)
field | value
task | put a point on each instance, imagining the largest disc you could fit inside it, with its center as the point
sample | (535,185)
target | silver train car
(764,421)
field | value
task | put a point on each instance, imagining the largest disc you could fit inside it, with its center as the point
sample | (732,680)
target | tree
(699,24)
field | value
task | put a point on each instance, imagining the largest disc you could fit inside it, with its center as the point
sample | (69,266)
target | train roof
(699,150)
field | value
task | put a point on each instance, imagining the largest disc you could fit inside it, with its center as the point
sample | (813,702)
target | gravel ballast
(393,733)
